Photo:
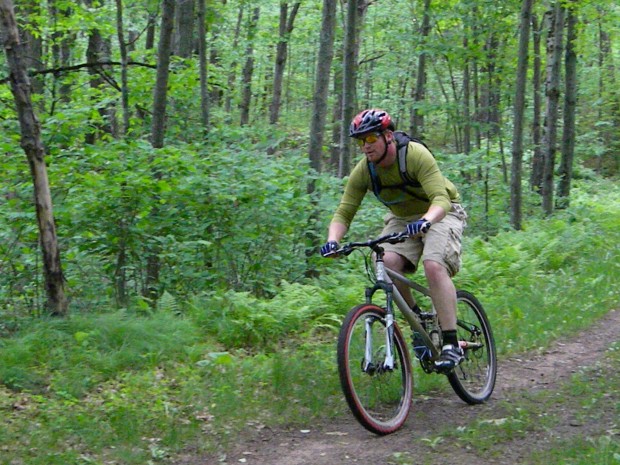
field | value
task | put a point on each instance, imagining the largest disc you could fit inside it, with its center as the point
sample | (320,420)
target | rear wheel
(474,379)
(379,397)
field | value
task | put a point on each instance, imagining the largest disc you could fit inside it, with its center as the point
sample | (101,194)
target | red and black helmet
(370,120)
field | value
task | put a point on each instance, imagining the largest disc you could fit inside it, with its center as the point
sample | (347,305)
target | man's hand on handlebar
(329,249)
(420,226)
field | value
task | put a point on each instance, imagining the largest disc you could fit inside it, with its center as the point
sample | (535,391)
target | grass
(602,450)
(72,356)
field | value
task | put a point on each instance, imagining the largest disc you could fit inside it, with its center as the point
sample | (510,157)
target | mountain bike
(375,368)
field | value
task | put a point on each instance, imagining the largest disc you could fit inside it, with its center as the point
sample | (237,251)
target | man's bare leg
(443,294)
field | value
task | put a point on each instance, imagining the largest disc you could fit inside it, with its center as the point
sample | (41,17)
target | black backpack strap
(374,179)
(402,144)
(402,165)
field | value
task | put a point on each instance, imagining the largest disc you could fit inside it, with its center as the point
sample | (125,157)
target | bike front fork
(387,364)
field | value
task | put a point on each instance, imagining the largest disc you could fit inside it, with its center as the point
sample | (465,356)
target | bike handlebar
(392,238)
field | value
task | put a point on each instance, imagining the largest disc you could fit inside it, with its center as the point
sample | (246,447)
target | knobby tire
(379,400)
(474,379)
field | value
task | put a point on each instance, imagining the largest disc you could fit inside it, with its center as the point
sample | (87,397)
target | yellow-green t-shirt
(434,188)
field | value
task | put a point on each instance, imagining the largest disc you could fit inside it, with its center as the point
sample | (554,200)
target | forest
(170,168)
(158,120)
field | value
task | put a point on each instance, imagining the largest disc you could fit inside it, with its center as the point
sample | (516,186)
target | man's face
(373,145)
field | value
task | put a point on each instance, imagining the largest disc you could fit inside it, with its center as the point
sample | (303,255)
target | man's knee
(435,270)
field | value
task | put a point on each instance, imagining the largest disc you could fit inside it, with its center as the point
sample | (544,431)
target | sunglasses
(369,138)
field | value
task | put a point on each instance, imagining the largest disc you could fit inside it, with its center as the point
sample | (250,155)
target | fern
(168,303)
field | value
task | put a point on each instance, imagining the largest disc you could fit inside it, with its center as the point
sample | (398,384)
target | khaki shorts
(442,243)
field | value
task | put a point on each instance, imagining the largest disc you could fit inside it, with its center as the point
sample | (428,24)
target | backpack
(402,142)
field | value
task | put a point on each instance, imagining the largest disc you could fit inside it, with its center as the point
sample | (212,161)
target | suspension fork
(388,363)
(387,287)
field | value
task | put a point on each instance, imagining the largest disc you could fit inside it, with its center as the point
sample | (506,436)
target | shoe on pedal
(450,357)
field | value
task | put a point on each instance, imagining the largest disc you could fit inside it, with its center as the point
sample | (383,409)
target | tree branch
(66,69)
(377,56)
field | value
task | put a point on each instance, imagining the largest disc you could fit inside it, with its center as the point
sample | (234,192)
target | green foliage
(238,317)
(215,214)
(242,320)
(518,275)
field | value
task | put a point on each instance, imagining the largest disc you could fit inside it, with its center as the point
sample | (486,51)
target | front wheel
(379,396)
(474,379)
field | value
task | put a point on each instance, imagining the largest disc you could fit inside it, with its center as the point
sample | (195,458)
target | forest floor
(427,436)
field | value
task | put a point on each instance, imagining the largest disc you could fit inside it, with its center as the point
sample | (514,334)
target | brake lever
(398,237)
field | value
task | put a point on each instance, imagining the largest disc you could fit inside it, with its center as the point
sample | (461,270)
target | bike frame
(384,281)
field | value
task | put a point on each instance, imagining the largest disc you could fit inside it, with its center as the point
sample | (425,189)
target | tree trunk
(99,50)
(32,144)
(490,97)
(62,42)
(517,137)
(417,117)
(349,71)
(321,91)
(248,70)
(232,74)
(537,158)
(214,30)
(286,27)
(184,30)
(466,122)
(158,130)
(33,44)
(160,93)
(609,160)
(570,103)
(490,87)
(334,159)
(552,91)
(149,42)
(476,103)
(204,66)
(124,61)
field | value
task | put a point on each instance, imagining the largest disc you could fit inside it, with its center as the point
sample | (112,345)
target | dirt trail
(344,441)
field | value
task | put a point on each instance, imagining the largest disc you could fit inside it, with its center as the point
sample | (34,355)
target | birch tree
(32,145)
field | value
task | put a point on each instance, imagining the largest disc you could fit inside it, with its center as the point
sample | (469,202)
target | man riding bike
(420,200)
